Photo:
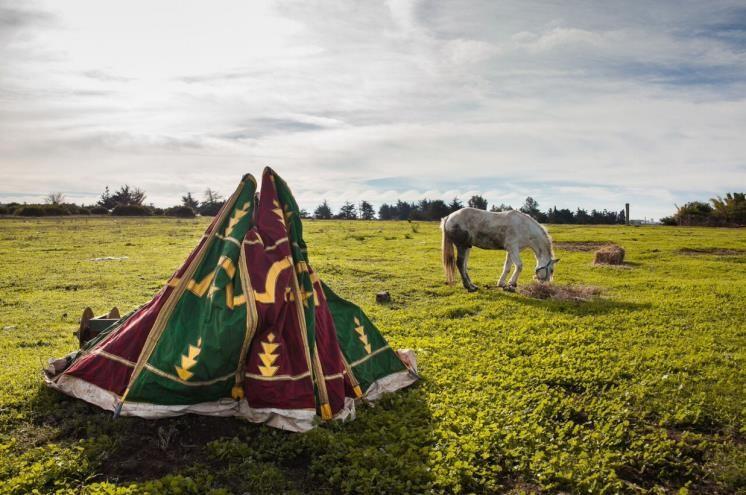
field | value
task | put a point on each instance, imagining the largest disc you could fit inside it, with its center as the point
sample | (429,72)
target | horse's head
(545,272)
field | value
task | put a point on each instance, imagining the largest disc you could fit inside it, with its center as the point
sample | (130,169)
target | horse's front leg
(506,270)
(462,260)
(515,256)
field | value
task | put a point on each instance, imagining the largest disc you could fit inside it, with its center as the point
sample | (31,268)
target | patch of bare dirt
(574,293)
(156,448)
(715,251)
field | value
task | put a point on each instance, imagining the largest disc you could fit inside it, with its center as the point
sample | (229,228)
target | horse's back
(483,229)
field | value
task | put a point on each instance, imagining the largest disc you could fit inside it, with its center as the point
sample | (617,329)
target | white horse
(508,230)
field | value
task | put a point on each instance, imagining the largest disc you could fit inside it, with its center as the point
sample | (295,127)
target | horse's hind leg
(506,270)
(462,260)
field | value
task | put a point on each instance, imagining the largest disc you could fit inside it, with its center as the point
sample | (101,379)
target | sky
(576,103)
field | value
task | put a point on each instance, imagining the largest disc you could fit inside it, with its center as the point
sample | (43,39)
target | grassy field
(640,391)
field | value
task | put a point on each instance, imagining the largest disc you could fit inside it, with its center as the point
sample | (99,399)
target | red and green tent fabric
(244,328)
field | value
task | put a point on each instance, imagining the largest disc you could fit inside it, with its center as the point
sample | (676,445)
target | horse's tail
(449,260)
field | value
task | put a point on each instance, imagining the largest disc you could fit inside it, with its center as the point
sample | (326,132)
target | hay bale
(609,255)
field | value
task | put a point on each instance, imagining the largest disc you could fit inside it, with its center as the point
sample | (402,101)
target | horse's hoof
(509,288)
(472,289)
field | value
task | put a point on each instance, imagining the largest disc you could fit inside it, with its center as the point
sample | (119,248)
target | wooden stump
(383,297)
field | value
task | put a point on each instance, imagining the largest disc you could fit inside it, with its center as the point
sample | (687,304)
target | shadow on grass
(596,306)
(391,439)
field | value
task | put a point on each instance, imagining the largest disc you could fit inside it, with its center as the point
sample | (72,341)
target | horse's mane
(549,238)
(544,230)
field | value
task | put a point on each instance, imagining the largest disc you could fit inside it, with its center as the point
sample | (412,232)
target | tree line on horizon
(125,201)
(429,210)
(729,210)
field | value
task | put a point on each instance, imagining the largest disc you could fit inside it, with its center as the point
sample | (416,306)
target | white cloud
(574,105)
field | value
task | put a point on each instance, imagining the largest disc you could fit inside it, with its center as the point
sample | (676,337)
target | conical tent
(244,328)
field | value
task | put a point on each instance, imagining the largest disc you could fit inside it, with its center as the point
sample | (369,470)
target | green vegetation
(640,391)
(427,209)
(729,211)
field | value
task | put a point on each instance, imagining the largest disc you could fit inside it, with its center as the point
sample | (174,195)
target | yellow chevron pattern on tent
(237,216)
(188,360)
(268,357)
(362,335)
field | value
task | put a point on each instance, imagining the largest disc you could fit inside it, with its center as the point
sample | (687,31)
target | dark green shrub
(55,210)
(4,210)
(210,209)
(70,208)
(46,210)
(671,221)
(99,210)
(30,211)
(180,211)
(130,211)
(12,207)
(694,213)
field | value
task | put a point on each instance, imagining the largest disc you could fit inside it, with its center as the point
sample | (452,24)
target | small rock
(383,297)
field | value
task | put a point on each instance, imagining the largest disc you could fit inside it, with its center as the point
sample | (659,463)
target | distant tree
(455,205)
(582,216)
(347,211)
(694,213)
(720,211)
(731,209)
(564,215)
(478,201)
(138,196)
(430,210)
(106,200)
(211,204)
(323,212)
(304,213)
(438,210)
(404,210)
(212,196)
(366,211)
(127,196)
(189,201)
(531,207)
(54,198)
(386,212)
(501,207)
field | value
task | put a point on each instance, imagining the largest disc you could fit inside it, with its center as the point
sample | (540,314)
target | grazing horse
(508,230)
